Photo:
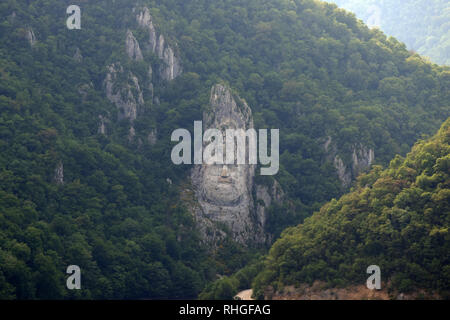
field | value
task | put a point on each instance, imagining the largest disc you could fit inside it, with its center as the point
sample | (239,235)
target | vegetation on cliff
(397,218)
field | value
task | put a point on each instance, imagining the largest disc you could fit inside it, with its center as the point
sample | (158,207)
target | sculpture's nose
(224,173)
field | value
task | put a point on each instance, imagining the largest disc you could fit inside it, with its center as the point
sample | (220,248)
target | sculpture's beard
(224,185)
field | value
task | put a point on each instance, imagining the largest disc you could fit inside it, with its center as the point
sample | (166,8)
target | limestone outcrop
(31,37)
(144,20)
(128,96)
(345,176)
(223,200)
(124,89)
(102,124)
(132,47)
(362,158)
(266,196)
(58,176)
(157,44)
(78,57)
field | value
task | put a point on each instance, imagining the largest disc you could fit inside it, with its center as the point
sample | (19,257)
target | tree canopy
(397,218)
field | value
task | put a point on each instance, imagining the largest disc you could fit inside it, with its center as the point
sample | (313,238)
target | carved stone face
(227,185)
(224,191)
(224,184)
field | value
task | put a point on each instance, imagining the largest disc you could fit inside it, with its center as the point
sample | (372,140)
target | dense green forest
(396,218)
(305,67)
(423,25)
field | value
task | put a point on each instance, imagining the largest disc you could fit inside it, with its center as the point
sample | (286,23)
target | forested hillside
(81,184)
(423,25)
(396,218)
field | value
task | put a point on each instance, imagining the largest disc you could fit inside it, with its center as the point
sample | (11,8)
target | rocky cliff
(127,96)
(224,201)
(362,158)
(132,47)
(125,89)
(31,37)
(157,44)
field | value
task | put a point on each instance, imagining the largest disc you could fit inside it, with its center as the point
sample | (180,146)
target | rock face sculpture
(224,193)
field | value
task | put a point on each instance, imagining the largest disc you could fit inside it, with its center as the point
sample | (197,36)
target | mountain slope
(396,218)
(86,118)
(423,25)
